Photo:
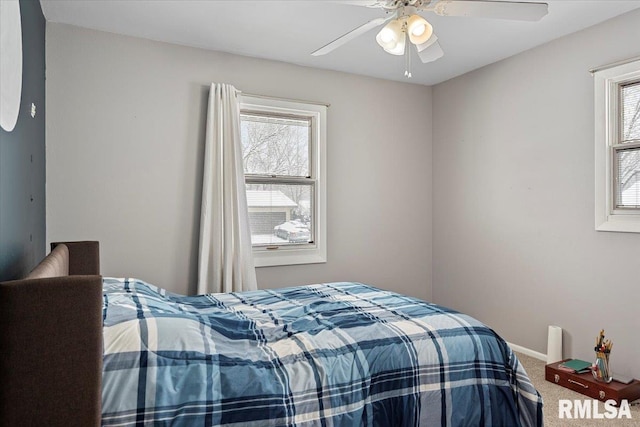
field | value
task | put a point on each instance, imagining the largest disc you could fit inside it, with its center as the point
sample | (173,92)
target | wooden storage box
(587,385)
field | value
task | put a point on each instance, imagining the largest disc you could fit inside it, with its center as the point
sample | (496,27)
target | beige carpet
(552,393)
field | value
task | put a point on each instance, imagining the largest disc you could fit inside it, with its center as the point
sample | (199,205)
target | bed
(335,354)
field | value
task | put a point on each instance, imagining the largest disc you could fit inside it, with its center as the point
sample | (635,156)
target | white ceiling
(290,30)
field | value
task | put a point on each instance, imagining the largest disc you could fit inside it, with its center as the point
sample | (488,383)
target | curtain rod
(614,64)
(284,99)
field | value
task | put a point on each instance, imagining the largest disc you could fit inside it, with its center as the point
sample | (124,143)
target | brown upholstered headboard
(51,341)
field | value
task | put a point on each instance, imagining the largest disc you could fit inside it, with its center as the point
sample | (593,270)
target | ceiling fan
(404,23)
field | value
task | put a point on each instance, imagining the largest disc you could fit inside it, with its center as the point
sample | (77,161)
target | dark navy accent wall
(22,158)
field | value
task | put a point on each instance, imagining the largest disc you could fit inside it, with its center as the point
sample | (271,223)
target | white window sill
(620,223)
(284,256)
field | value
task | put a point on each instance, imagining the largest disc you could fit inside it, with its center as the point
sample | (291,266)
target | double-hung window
(283,152)
(617,106)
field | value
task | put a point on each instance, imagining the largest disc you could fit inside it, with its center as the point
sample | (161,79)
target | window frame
(608,142)
(304,253)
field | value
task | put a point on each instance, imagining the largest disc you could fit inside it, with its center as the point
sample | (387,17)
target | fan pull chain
(407,58)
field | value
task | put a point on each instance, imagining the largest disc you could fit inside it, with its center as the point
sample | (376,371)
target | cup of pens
(601,369)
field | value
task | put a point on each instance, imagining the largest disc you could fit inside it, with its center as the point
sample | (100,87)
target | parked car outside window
(294,231)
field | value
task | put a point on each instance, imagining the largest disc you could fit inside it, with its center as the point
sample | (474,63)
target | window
(617,144)
(283,152)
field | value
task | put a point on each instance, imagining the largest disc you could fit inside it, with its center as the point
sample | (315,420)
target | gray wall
(513,177)
(22,161)
(125,136)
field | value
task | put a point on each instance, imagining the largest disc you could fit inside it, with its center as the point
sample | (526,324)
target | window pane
(275,145)
(631,111)
(280,214)
(628,179)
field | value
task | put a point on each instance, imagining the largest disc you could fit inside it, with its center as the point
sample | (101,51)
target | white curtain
(225,258)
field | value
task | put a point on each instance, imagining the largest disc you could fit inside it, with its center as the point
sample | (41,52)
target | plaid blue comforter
(339,354)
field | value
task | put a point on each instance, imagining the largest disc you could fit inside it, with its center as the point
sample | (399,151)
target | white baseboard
(528,352)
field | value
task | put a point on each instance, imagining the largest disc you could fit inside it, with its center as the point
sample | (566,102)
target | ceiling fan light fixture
(386,36)
(398,48)
(422,46)
(391,37)
(418,29)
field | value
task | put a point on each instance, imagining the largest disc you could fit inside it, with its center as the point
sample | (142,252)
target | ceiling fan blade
(365,3)
(350,36)
(430,50)
(519,11)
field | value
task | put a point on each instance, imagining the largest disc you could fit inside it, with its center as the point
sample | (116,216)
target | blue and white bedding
(339,354)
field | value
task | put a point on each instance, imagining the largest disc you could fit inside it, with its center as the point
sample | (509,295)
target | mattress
(334,354)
